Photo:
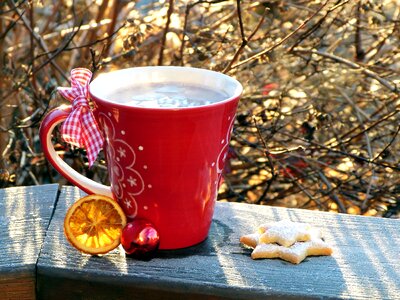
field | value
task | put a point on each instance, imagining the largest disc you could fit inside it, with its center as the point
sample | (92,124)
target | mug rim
(103,77)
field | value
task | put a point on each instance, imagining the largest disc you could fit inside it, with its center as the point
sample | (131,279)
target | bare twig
(332,194)
(88,45)
(17,5)
(389,85)
(117,8)
(270,162)
(244,40)
(346,154)
(99,17)
(188,8)
(344,139)
(166,29)
(32,42)
(9,27)
(360,53)
(277,44)
(37,37)
(67,41)
(384,150)
(317,25)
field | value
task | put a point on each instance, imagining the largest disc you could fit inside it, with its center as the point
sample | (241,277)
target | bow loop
(80,128)
(80,76)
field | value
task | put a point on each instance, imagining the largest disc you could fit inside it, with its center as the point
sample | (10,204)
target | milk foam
(167,95)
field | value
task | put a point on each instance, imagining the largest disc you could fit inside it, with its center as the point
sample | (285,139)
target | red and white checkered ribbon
(80,128)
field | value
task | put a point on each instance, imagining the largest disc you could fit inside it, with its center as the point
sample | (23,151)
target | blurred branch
(64,45)
(88,45)
(270,162)
(49,60)
(99,17)
(117,8)
(17,5)
(37,37)
(11,26)
(360,53)
(164,37)
(318,24)
(344,137)
(388,145)
(346,154)
(332,194)
(244,40)
(32,42)
(389,85)
(188,8)
(283,40)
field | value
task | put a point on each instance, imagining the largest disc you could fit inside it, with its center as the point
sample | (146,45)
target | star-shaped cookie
(285,233)
(287,240)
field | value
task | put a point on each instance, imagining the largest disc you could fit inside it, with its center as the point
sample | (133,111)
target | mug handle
(52,119)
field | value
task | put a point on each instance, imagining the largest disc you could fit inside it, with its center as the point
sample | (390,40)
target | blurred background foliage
(318,123)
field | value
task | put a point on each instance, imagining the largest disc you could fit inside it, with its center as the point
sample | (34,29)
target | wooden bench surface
(25,214)
(365,263)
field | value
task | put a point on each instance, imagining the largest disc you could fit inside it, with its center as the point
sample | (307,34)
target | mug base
(181,243)
(194,249)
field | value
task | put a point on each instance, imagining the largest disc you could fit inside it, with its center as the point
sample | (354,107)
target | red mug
(165,164)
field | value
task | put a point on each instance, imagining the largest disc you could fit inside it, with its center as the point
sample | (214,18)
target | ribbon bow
(80,128)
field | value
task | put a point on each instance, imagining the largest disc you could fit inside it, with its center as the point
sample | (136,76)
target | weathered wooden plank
(364,264)
(25,213)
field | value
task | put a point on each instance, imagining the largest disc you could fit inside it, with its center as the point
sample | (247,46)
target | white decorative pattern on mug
(221,160)
(126,181)
(224,150)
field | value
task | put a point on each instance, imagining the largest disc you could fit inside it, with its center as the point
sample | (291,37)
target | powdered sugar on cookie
(286,233)
(250,240)
(291,241)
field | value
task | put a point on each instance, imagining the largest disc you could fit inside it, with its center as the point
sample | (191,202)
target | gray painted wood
(364,265)
(25,213)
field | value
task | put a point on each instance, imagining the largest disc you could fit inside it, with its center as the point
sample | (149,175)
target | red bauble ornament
(140,239)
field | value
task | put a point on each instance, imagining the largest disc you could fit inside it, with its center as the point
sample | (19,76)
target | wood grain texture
(25,213)
(364,265)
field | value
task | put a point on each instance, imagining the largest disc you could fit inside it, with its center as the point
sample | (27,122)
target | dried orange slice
(94,224)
